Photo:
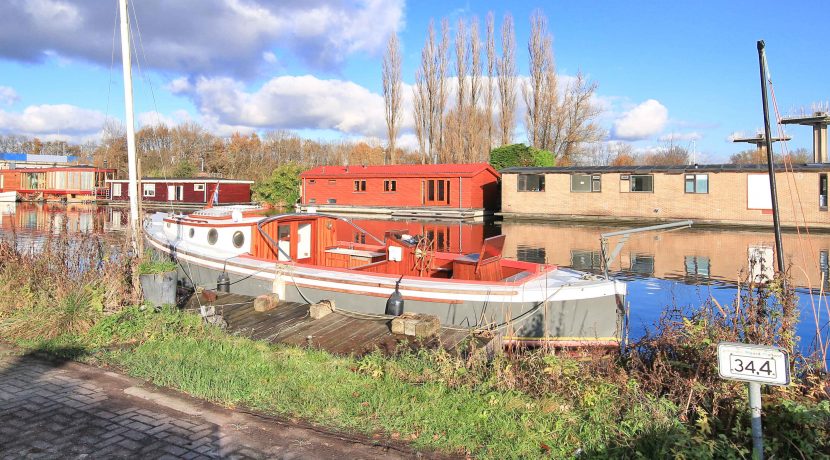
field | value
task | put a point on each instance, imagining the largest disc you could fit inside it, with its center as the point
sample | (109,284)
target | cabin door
(284,242)
(303,241)
(436,192)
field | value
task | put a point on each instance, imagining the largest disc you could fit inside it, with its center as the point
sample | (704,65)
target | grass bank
(662,401)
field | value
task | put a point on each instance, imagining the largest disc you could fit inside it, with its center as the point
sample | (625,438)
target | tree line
(465,108)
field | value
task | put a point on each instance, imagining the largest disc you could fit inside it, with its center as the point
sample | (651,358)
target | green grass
(153,264)
(527,407)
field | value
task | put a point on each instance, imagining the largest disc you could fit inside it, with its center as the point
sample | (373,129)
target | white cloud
(52,119)
(8,96)
(641,122)
(269,57)
(204,36)
(290,102)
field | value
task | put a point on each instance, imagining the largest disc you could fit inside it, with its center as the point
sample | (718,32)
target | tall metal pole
(132,187)
(779,248)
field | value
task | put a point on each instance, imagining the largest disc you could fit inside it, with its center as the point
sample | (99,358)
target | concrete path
(52,409)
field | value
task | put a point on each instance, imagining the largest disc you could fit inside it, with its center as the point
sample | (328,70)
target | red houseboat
(437,190)
(70,183)
(189,191)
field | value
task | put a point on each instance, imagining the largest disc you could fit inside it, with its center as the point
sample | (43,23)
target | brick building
(436,190)
(716,194)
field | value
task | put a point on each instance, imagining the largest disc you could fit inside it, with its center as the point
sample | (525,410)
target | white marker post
(754,364)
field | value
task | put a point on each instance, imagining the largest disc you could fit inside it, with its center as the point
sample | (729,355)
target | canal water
(663,269)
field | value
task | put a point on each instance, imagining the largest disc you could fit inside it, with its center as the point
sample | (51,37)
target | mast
(779,248)
(132,186)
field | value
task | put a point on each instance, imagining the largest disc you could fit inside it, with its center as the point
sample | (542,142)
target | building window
(332,181)
(586,260)
(642,183)
(697,183)
(390,186)
(531,183)
(697,266)
(312,200)
(642,264)
(822,192)
(586,183)
(360,186)
(198,187)
(149,189)
(116,189)
(332,201)
(311,181)
(359,238)
(531,254)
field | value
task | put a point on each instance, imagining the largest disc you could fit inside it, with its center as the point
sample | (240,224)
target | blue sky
(687,71)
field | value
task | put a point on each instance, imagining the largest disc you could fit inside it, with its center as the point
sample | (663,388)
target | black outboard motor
(223,283)
(394,305)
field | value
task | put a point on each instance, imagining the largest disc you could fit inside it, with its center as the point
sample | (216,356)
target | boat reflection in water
(683,267)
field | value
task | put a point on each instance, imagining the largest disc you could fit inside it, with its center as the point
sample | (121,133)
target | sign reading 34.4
(753,363)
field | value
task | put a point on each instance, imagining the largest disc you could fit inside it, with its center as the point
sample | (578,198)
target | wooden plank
(355,338)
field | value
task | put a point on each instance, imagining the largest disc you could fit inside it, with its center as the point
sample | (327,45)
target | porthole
(238,239)
(191,232)
(168,224)
(213,235)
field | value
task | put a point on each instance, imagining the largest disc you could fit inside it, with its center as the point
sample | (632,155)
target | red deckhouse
(445,190)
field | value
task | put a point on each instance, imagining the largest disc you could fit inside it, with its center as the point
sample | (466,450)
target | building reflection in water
(690,255)
(693,256)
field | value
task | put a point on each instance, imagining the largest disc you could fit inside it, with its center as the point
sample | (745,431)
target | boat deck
(340,332)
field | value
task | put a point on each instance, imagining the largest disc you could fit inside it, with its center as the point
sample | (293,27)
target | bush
(282,188)
(509,156)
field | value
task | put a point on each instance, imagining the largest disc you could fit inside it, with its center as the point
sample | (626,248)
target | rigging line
(788,161)
(149,83)
(112,64)
(144,56)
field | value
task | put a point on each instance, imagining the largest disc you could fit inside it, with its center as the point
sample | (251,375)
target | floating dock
(340,332)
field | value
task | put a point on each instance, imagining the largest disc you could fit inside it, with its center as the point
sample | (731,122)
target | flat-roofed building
(715,194)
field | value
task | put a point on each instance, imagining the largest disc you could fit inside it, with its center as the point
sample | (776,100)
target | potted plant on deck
(158,279)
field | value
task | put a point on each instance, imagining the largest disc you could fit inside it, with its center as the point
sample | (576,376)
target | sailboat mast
(132,187)
(779,248)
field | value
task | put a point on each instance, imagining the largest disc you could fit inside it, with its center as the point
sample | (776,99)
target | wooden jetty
(340,332)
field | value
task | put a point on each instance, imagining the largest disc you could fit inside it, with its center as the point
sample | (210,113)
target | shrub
(520,155)
(282,188)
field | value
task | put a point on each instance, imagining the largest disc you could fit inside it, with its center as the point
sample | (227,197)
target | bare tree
(474,129)
(560,121)
(491,72)
(458,149)
(540,90)
(507,81)
(442,58)
(429,92)
(420,100)
(392,94)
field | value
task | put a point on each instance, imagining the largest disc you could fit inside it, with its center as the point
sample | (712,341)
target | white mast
(132,187)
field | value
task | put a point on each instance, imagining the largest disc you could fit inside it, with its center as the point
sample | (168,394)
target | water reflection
(678,268)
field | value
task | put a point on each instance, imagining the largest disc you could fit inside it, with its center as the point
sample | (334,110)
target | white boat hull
(561,306)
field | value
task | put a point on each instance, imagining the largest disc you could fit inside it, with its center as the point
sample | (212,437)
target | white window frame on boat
(149,190)
(116,189)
